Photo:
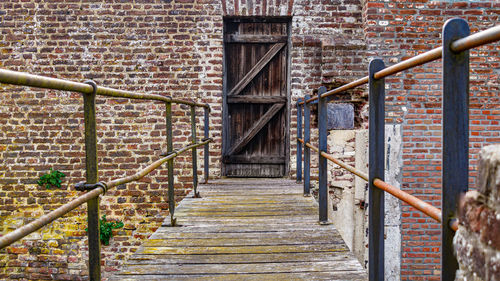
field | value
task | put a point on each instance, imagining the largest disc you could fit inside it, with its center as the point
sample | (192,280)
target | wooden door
(255,123)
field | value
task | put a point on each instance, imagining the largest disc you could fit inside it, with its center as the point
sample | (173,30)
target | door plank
(256,69)
(255,38)
(254,159)
(255,129)
(256,99)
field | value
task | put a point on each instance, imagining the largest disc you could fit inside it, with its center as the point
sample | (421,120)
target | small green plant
(106,229)
(53,178)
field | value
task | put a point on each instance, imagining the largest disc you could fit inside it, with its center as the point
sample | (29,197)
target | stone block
(477,243)
(489,172)
(340,116)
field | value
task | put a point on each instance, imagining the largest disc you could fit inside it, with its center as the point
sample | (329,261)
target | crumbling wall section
(477,241)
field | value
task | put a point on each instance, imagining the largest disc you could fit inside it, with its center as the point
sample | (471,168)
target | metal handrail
(38,81)
(42,221)
(413,201)
(139,175)
(457,41)
(89,90)
(469,42)
(337,161)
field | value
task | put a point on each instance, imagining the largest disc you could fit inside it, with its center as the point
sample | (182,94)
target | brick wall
(324,36)
(159,47)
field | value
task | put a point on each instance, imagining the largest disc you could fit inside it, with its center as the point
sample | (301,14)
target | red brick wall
(399,30)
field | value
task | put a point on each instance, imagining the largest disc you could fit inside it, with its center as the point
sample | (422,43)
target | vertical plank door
(255,97)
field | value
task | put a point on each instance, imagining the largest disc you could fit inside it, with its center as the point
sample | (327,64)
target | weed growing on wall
(106,229)
(51,179)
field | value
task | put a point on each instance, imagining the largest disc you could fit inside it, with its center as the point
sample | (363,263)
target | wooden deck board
(245,229)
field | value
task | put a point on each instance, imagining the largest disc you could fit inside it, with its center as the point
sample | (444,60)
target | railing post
(299,144)
(92,177)
(307,150)
(206,154)
(194,155)
(376,170)
(455,168)
(323,164)
(170,165)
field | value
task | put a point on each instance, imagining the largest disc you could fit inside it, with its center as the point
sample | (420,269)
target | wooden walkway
(245,229)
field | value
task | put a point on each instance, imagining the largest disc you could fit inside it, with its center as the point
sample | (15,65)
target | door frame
(225,135)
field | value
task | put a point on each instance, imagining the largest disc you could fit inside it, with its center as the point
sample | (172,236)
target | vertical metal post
(206,153)
(323,164)
(376,170)
(455,168)
(194,155)
(170,164)
(299,144)
(307,150)
(92,177)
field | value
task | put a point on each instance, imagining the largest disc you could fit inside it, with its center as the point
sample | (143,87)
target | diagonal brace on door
(256,69)
(250,134)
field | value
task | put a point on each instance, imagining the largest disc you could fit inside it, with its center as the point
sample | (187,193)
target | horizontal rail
(413,201)
(477,39)
(466,43)
(336,161)
(343,88)
(426,57)
(25,79)
(308,145)
(454,224)
(139,175)
(35,225)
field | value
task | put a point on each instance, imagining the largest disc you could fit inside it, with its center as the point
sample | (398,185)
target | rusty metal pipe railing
(337,161)
(139,175)
(477,39)
(426,57)
(345,166)
(25,79)
(413,201)
(35,225)
(89,90)
(456,41)
(454,224)
(308,145)
(343,88)
(469,42)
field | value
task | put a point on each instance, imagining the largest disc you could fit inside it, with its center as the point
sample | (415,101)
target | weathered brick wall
(477,242)
(325,35)
(160,47)
(399,30)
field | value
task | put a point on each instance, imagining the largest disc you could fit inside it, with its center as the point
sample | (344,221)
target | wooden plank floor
(245,229)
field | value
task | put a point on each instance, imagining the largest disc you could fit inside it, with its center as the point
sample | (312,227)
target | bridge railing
(93,187)
(455,156)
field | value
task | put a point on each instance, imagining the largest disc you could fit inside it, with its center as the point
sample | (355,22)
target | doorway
(256,97)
